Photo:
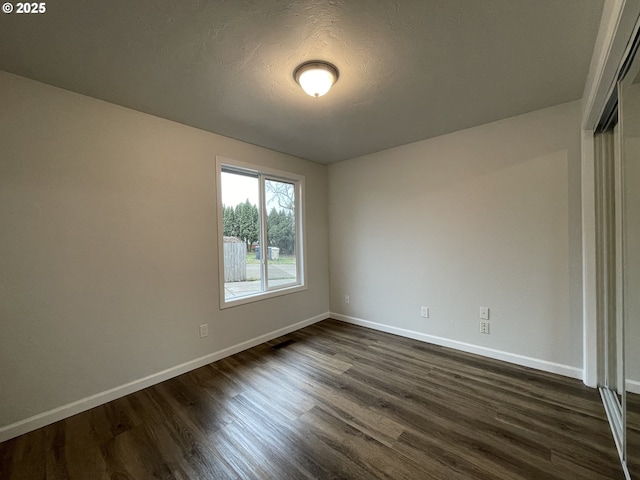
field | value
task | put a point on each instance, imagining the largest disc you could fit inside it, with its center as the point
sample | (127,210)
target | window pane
(280,201)
(241,225)
(259,219)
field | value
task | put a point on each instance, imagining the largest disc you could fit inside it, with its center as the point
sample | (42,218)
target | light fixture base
(316,77)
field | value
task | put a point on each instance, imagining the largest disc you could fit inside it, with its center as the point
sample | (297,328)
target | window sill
(261,296)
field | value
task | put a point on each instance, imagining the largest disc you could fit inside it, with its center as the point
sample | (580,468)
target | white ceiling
(409,70)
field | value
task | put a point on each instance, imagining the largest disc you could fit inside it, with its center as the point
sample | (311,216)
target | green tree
(246,218)
(229,223)
(281,231)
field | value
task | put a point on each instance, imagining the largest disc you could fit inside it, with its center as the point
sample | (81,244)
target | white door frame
(617,28)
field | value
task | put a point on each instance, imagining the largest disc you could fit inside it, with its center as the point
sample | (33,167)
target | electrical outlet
(484,313)
(346,299)
(204,330)
(484,327)
(424,312)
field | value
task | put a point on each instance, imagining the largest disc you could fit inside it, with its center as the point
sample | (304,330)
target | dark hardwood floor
(334,401)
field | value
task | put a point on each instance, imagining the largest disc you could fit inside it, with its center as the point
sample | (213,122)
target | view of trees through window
(248,268)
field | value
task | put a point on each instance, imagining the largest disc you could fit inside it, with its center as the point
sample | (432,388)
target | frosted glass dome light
(316,78)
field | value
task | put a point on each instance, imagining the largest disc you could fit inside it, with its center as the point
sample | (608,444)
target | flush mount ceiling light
(316,78)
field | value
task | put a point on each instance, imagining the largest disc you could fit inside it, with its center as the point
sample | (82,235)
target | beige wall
(109,247)
(488,216)
(108,233)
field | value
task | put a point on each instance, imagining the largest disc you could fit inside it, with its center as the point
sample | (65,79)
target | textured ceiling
(409,70)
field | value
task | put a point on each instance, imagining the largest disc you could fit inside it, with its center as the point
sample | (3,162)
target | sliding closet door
(608,277)
(629,121)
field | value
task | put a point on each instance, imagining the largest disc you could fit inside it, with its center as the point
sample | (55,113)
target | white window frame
(263,173)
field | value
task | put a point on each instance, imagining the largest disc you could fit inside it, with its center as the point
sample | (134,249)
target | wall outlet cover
(484,327)
(204,330)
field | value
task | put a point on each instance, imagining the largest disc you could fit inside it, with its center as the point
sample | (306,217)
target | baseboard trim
(539,364)
(633,386)
(51,416)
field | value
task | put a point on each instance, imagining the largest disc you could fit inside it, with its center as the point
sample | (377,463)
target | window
(260,225)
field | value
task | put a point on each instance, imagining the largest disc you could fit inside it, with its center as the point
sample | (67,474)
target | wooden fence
(235,260)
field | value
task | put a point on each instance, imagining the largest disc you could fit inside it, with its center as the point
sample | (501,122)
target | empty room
(320,239)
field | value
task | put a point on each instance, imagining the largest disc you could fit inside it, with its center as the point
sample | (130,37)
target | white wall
(109,247)
(486,216)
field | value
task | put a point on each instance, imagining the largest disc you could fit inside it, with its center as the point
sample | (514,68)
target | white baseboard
(633,386)
(45,418)
(544,365)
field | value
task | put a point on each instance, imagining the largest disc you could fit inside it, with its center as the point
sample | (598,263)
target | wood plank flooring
(334,401)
